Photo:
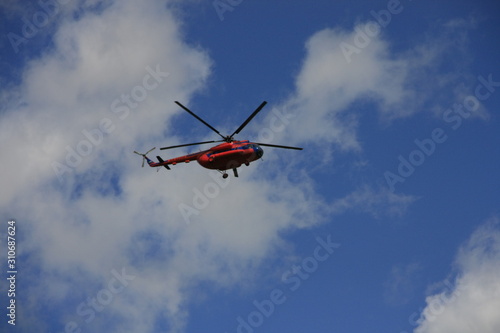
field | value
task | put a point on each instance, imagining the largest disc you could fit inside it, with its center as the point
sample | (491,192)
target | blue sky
(387,221)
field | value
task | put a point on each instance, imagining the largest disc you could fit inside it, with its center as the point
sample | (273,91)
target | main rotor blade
(190,144)
(249,118)
(203,121)
(277,146)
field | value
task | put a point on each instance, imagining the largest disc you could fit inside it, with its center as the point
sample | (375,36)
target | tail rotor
(144,157)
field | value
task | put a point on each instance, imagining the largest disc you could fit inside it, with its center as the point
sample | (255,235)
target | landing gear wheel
(225,175)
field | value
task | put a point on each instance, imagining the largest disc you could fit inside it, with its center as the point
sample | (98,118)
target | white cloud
(472,303)
(96,60)
(327,86)
(330,84)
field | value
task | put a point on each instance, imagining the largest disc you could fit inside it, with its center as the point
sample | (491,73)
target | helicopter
(230,154)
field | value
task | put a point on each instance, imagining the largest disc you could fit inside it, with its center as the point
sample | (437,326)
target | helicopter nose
(259,151)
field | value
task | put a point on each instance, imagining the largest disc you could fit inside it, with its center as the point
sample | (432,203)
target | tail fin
(161,161)
(151,163)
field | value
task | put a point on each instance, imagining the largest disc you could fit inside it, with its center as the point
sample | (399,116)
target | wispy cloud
(399,288)
(396,84)
(377,202)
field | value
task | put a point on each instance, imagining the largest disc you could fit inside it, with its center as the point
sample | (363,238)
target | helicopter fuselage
(229,155)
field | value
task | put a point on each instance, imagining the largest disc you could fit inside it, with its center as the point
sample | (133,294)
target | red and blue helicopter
(230,154)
